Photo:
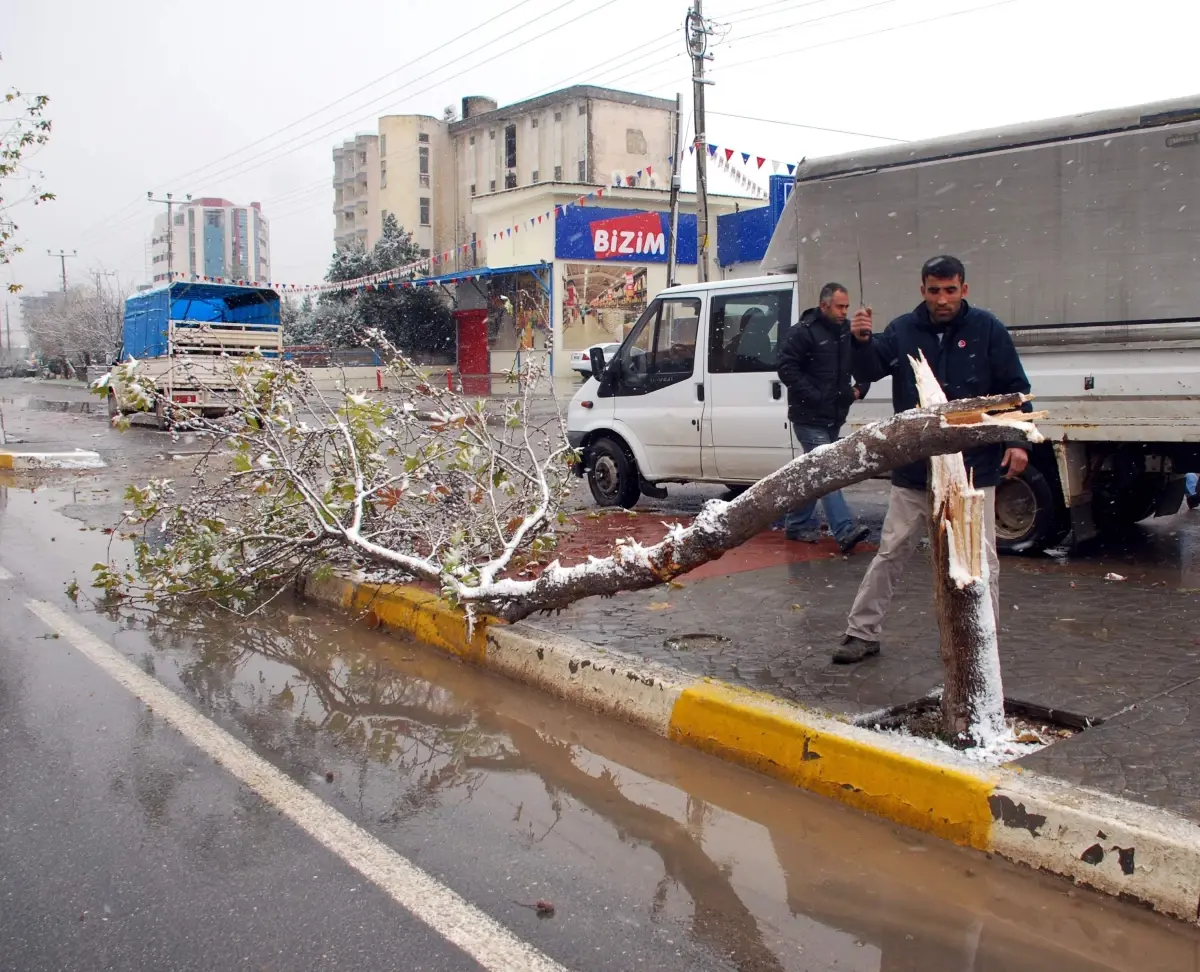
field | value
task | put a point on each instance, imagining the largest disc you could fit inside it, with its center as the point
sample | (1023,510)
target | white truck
(186,336)
(1082,234)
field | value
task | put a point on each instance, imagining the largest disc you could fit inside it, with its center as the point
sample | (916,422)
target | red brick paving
(595,535)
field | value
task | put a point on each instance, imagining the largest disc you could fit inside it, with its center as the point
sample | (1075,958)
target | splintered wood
(973,696)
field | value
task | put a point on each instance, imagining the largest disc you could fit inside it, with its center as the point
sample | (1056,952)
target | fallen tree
(425,485)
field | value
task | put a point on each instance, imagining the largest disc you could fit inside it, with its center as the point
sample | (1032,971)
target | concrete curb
(1136,852)
(79,459)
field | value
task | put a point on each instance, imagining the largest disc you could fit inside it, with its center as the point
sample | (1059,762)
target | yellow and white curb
(76,459)
(1130,850)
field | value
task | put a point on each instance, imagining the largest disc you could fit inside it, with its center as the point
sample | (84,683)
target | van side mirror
(597,356)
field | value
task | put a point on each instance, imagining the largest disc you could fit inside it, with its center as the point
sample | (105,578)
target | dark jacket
(815,365)
(975,357)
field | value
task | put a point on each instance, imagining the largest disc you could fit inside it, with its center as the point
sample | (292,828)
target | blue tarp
(147,314)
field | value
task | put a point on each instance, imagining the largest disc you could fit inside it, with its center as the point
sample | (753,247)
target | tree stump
(973,693)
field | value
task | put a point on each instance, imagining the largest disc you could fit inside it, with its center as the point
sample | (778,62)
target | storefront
(608,258)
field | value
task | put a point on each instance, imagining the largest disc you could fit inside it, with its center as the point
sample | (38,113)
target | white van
(693,394)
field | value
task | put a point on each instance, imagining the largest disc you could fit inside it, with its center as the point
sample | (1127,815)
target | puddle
(763,876)
(76,408)
(698,642)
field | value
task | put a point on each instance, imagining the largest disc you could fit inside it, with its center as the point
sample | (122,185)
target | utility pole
(696,30)
(672,246)
(7,330)
(62,256)
(169,201)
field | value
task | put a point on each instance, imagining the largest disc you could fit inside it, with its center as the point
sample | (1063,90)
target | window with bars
(422,136)
(534,176)
(472,188)
(424,210)
(510,181)
(558,173)
(382,175)
(583,170)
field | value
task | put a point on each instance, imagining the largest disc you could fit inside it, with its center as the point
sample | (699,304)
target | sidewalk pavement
(31,456)
(1120,657)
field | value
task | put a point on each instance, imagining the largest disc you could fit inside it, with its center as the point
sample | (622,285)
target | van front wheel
(612,474)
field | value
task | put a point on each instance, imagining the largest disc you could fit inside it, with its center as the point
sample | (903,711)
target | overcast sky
(188,97)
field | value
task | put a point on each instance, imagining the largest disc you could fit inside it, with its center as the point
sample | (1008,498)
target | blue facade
(214,243)
(576,235)
(743,237)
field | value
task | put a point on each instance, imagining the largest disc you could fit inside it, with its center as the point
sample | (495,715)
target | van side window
(746,330)
(662,348)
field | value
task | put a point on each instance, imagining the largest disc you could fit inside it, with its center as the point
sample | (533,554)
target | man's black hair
(944,268)
(829,290)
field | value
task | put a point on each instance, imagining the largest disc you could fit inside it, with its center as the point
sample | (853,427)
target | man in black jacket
(972,354)
(814,364)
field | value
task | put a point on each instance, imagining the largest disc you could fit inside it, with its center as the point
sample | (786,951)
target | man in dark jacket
(814,364)
(972,354)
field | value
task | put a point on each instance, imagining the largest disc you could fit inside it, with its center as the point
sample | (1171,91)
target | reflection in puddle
(753,875)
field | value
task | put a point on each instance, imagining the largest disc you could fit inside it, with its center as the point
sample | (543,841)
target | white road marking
(454,918)
(5,575)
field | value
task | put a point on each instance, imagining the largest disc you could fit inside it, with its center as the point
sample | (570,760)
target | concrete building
(428,172)
(356,190)
(212,237)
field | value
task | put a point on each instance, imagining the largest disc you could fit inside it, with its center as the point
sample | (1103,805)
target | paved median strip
(1127,849)
(452,917)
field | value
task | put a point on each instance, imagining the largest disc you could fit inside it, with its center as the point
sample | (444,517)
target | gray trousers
(907,521)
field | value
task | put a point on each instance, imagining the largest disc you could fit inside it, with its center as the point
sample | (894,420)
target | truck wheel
(1026,513)
(163,415)
(1119,509)
(612,474)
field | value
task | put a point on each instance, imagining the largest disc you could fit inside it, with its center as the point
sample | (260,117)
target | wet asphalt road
(123,845)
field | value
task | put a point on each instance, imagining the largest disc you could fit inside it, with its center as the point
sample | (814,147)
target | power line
(873,33)
(338,101)
(815,20)
(815,128)
(371,84)
(245,166)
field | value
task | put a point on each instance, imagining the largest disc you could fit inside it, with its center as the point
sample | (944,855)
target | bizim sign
(621,235)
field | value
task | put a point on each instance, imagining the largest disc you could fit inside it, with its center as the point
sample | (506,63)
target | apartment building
(212,237)
(427,171)
(356,190)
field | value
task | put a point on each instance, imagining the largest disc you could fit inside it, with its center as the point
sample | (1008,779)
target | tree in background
(22,131)
(416,320)
(83,326)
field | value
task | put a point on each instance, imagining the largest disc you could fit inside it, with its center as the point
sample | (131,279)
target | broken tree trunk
(973,694)
(902,439)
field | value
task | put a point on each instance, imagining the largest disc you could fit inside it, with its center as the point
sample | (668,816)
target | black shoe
(1193,501)
(853,539)
(853,650)
(802,537)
